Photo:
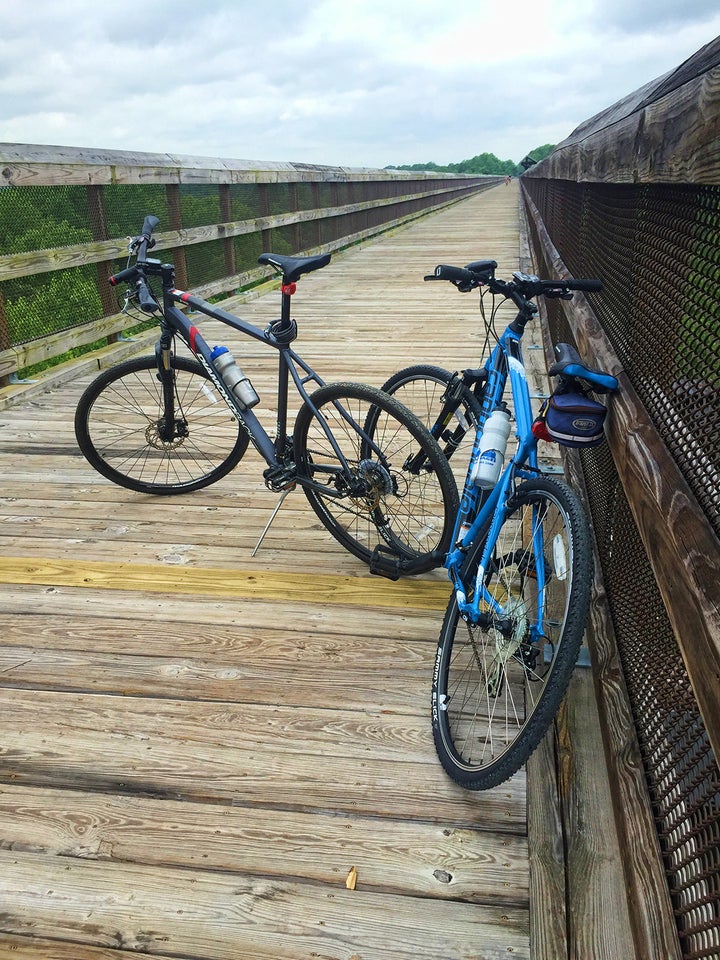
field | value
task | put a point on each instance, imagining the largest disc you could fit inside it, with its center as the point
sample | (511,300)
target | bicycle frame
(481,512)
(279,335)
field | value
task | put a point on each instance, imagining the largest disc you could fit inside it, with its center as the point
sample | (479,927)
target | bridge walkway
(205,754)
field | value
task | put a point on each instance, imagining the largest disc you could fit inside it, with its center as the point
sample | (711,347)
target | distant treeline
(486,163)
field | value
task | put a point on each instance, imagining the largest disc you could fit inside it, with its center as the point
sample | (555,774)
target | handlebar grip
(453,274)
(149,225)
(589,286)
(128,274)
(146,301)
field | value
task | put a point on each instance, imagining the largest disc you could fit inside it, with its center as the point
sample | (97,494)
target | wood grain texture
(230,917)
(197,744)
(595,880)
(29,164)
(548,895)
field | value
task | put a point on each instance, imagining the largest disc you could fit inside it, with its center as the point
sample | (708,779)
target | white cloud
(349,82)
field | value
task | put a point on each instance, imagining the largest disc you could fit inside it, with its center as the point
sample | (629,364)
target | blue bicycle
(521,563)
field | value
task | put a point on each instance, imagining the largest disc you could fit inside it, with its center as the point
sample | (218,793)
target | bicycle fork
(167,427)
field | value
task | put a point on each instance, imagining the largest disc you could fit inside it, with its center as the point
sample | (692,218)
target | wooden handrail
(666,132)
(381,200)
(632,196)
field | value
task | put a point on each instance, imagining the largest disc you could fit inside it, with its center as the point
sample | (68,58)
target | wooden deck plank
(31,947)
(595,880)
(229,752)
(280,586)
(231,917)
(412,857)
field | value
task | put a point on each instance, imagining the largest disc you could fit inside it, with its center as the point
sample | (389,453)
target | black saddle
(292,268)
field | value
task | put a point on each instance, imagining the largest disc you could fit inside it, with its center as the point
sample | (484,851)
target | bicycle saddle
(293,267)
(569,364)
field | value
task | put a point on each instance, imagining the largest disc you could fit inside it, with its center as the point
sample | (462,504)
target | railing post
(226,217)
(315,192)
(5,342)
(172,193)
(294,205)
(99,230)
(264,211)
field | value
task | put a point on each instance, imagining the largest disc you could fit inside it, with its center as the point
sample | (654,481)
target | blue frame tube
(479,507)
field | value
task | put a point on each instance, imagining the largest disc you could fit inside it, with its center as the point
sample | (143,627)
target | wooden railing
(633,196)
(216,217)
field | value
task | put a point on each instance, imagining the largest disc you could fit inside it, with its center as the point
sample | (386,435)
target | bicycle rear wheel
(421,388)
(384,501)
(119,425)
(497,685)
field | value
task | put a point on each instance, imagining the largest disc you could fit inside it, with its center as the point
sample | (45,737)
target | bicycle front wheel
(421,388)
(369,492)
(497,684)
(121,428)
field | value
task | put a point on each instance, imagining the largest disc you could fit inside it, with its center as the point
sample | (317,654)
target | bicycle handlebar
(140,245)
(149,225)
(483,272)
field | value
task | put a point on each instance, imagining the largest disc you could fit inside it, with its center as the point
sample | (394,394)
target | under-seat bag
(574,419)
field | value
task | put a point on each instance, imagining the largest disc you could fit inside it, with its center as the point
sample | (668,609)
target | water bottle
(234,378)
(493,444)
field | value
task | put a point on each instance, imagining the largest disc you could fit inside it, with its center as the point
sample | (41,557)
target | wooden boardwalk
(199,748)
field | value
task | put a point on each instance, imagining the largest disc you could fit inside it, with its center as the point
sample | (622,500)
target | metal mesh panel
(127,206)
(49,303)
(35,218)
(205,262)
(680,766)
(656,249)
(305,196)
(625,236)
(44,217)
(245,201)
(38,218)
(248,248)
(199,205)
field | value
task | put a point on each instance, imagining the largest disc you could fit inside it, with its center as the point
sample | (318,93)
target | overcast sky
(355,83)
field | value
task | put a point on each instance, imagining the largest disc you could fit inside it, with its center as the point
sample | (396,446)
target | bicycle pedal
(279,479)
(385,563)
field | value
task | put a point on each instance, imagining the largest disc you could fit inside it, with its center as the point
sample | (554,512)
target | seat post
(287,290)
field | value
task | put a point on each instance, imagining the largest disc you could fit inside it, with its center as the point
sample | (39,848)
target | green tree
(539,153)
(482,164)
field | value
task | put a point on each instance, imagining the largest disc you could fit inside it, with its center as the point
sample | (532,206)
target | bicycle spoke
(121,428)
(372,498)
(498,682)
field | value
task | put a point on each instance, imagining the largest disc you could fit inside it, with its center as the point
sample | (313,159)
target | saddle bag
(571,418)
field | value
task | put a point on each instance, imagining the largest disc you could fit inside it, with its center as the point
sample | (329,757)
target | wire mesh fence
(52,278)
(655,247)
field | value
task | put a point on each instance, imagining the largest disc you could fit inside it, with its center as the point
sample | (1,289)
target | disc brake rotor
(153,435)
(507,642)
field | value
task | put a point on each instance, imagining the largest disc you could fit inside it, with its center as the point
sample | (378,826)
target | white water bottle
(234,378)
(493,445)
